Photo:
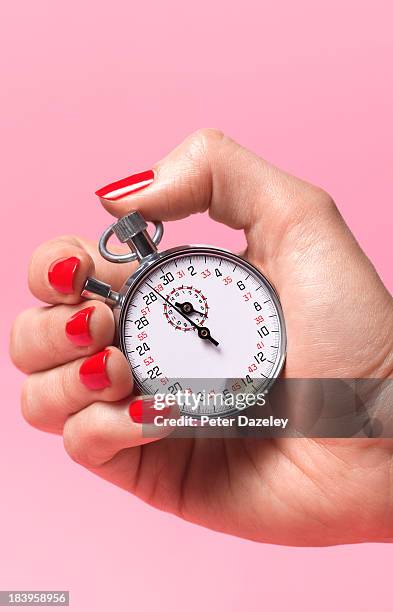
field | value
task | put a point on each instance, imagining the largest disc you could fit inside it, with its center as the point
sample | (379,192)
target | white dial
(203,320)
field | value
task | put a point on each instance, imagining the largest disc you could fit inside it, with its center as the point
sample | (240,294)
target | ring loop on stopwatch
(132,230)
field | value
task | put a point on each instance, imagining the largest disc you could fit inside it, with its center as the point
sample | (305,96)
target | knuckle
(72,443)
(27,404)
(322,198)
(64,388)
(308,202)
(48,336)
(321,206)
(84,434)
(199,152)
(205,138)
(34,410)
(35,257)
(14,351)
(17,354)
(212,134)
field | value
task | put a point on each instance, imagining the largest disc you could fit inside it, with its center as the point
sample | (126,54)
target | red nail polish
(93,371)
(61,274)
(131,184)
(77,327)
(144,410)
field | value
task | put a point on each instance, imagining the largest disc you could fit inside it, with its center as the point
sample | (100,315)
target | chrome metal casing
(148,263)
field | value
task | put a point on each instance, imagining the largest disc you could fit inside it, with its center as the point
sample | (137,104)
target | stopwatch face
(170,306)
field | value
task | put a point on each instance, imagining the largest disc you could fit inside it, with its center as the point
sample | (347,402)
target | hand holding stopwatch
(161,311)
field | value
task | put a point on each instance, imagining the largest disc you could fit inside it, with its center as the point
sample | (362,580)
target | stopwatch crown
(129,226)
(132,229)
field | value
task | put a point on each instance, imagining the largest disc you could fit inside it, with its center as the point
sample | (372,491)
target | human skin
(305,492)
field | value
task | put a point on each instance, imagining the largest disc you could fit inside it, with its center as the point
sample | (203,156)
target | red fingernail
(131,184)
(93,371)
(77,327)
(61,274)
(144,410)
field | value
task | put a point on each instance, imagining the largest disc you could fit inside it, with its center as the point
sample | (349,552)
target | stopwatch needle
(203,332)
(188,308)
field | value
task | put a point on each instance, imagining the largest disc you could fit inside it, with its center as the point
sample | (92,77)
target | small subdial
(191,302)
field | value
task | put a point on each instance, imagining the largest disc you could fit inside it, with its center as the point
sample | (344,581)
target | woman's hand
(339,319)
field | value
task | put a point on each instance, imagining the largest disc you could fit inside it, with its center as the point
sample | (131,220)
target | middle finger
(43,338)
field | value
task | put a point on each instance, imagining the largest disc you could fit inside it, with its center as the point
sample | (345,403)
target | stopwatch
(193,318)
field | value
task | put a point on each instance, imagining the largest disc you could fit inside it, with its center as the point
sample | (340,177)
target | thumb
(210,171)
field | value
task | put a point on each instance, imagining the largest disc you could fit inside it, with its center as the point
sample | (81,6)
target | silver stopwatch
(195,317)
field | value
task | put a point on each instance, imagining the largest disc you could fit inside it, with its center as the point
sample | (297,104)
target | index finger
(59,268)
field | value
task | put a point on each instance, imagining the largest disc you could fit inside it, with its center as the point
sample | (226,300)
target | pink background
(92,91)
